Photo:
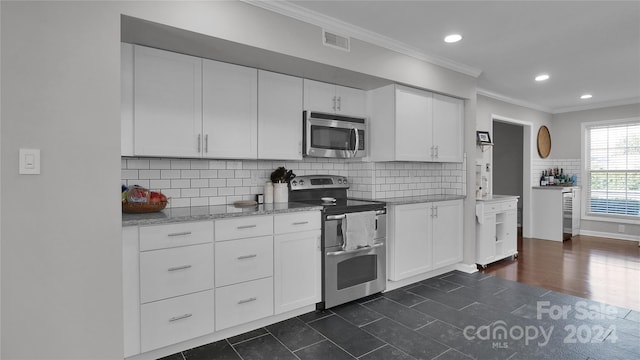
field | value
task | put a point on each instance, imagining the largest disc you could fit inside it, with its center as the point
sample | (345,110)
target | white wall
(60,231)
(567,129)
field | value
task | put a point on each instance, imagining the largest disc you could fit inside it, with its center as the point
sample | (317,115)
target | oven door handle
(343,252)
(343,216)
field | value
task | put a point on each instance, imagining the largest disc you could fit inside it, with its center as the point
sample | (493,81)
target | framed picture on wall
(483,137)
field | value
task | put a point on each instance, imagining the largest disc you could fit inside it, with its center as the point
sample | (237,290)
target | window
(613,169)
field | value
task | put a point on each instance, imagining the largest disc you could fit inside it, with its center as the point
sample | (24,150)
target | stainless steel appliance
(347,274)
(333,136)
(567,213)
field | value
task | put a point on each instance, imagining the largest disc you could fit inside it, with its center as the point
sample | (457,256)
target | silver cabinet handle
(180,233)
(176,268)
(176,318)
(199,143)
(300,223)
(437,151)
(246,227)
(339,103)
(206,143)
(247,300)
(334,103)
(247,256)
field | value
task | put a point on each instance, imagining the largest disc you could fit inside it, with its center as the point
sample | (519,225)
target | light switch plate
(29,161)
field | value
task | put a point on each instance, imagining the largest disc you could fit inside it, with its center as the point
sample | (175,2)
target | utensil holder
(280,193)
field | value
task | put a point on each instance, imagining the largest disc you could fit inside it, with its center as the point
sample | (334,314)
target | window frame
(585,214)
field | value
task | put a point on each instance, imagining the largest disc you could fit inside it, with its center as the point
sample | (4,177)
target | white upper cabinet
(126,99)
(229,110)
(409,124)
(168,103)
(413,124)
(448,128)
(329,98)
(279,116)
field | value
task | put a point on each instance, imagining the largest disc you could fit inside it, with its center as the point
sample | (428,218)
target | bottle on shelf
(543,178)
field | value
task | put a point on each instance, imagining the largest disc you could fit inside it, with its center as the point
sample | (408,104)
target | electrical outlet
(620,228)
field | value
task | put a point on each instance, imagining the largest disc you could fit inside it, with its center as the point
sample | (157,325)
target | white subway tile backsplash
(216,182)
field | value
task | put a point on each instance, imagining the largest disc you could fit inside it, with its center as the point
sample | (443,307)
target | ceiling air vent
(336,41)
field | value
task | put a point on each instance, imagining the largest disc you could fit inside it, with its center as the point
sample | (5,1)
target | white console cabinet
(496,229)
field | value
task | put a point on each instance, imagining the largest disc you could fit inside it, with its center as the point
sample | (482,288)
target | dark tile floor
(453,316)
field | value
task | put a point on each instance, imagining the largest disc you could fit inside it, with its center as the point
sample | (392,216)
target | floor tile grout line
(234,349)
(324,338)
(253,338)
(281,343)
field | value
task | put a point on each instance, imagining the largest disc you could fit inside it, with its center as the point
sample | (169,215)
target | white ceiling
(585,46)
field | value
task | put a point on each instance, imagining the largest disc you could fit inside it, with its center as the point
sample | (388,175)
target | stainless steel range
(354,265)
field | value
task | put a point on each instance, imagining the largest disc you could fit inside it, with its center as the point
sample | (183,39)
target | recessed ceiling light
(452,38)
(586,96)
(542,77)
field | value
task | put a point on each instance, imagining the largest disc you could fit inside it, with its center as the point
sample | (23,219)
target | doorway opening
(512,165)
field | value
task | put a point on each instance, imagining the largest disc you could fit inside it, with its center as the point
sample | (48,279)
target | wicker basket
(139,208)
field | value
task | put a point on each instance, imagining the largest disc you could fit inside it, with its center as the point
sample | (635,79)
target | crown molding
(343,28)
(513,101)
(598,105)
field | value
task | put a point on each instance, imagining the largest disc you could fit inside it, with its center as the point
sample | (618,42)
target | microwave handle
(357,146)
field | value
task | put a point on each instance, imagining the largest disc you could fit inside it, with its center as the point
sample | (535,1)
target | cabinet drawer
(243,227)
(299,221)
(245,302)
(509,205)
(173,235)
(171,272)
(243,260)
(493,207)
(178,319)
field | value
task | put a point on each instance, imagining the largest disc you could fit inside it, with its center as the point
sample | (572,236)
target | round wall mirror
(544,142)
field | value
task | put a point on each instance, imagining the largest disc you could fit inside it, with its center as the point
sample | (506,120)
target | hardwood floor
(600,269)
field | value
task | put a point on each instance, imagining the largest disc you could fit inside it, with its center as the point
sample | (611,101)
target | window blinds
(613,169)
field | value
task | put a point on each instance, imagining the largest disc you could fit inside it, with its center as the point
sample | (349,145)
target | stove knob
(345,180)
(294,183)
(301,182)
(339,181)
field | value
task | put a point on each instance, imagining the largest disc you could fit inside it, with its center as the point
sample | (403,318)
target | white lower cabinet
(297,260)
(496,229)
(424,237)
(244,302)
(185,280)
(177,319)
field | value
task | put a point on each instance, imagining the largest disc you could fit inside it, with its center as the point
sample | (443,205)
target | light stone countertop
(497,198)
(419,199)
(554,187)
(201,213)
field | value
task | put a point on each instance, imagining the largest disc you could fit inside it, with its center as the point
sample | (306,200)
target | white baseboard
(467,268)
(610,235)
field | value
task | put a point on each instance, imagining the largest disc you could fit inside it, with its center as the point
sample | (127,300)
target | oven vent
(336,41)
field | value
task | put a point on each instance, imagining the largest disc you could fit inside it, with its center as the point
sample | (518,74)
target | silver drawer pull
(300,223)
(247,256)
(183,267)
(176,318)
(180,233)
(247,300)
(246,227)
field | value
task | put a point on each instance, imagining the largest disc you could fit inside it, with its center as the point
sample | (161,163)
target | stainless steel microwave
(333,136)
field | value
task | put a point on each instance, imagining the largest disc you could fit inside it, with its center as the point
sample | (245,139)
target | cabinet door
(319,96)
(510,241)
(447,233)
(411,241)
(447,128)
(297,273)
(413,125)
(126,99)
(168,103)
(230,110)
(279,116)
(486,239)
(350,101)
